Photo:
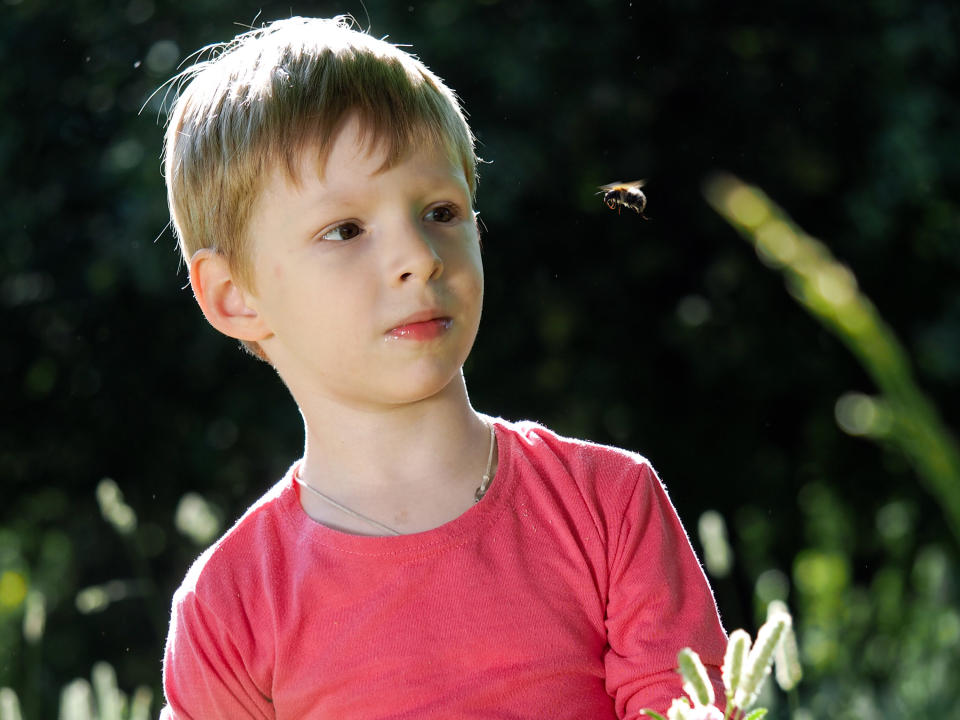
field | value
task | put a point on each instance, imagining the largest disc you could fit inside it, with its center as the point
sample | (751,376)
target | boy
(421,560)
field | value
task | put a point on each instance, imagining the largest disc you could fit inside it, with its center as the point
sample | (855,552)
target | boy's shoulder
(256,530)
(601,475)
(600,489)
(536,440)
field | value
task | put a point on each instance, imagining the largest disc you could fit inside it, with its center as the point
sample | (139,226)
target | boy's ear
(222,300)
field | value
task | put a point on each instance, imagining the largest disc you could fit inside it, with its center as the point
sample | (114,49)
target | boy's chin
(432,389)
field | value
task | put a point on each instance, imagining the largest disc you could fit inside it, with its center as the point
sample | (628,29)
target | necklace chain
(478,495)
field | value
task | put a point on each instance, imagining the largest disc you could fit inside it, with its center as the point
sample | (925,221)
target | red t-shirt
(565,593)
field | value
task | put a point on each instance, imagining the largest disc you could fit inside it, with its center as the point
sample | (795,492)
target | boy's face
(370,283)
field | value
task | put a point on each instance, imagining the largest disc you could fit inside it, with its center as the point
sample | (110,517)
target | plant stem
(828,291)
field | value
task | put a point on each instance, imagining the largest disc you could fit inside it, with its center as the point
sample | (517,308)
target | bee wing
(610,186)
(624,185)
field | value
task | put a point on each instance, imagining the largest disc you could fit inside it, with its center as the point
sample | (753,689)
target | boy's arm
(205,668)
(659,602)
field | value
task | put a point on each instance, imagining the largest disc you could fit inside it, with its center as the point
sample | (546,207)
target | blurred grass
(97,699)
(901,416)
(30,592)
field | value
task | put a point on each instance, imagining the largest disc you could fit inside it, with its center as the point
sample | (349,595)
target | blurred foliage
(902,416)
(81,700)
(133,433)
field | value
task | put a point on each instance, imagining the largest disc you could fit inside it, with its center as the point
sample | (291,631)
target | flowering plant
(745,669)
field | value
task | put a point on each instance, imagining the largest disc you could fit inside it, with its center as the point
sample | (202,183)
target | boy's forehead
(312,158)
(352,145)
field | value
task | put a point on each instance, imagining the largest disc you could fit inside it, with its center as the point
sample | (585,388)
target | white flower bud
(786,662)
(788,671)
(679,710)
(738,647)
(760,659)
(696,683)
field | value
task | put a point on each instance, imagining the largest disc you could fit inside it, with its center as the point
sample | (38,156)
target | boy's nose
(416,257)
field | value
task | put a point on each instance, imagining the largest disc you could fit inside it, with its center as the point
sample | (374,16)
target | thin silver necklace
(477,496)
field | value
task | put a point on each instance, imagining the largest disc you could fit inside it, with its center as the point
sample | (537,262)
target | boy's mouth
(421,326)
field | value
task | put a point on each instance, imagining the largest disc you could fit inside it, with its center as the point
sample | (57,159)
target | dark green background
(845,113)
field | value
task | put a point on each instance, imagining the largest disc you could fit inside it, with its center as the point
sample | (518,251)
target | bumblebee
(625,194)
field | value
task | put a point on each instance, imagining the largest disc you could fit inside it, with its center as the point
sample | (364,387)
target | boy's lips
(425,325)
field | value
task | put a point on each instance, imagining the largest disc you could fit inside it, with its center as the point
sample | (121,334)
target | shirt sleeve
(205,668)
(658,602)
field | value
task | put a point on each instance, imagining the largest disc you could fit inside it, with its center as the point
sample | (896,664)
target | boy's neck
(396,452)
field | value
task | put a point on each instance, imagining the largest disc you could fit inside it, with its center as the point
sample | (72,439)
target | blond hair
(275,92)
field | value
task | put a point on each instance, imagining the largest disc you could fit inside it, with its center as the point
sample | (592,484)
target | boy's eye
(344,231)
(442,214)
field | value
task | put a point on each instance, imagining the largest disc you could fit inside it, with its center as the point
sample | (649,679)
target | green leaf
(756,714)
